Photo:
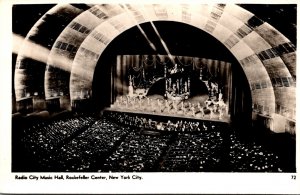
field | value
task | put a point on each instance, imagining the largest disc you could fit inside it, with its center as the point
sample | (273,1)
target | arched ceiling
(266,56)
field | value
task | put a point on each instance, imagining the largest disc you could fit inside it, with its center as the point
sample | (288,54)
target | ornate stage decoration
(177,83)
(139,82)
(174,96)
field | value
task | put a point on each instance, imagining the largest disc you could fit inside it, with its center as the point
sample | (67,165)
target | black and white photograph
(117,91)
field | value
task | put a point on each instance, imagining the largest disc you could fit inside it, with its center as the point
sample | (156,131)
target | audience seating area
(118,143)
(42,139)
(194,153)
(137,153)
(93,144)
(251,157)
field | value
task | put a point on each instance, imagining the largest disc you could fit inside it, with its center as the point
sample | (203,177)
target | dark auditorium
(154,88)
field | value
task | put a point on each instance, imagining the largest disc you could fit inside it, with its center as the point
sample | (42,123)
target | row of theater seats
(137,153)
(194,153)
(178,125)
(43,138)
(90,146)
(118,143)
(251,157)
(240,153)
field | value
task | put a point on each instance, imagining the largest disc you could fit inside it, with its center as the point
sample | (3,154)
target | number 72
(293,177)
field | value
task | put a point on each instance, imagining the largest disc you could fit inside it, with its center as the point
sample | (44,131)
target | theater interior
(154,88)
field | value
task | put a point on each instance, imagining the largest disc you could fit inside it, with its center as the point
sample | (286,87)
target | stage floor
(215,118)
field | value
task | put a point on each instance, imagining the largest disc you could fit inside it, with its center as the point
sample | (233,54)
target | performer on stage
(215,107)
(159,109)
(183,110)
(130,87)
(208,102)
(190,105)
(193,110)
(121,100)
(221,114)
(174,90)
(220,96)
(175,107)
(133,103)
(140,103)
(211,112)
(200,108)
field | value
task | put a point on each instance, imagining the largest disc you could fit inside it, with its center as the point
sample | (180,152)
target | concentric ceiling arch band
(235,36)
(271,105)
(27,65)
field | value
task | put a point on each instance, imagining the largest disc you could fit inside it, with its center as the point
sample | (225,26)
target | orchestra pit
(154,88)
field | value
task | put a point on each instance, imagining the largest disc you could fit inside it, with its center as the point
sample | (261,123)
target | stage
(171,116)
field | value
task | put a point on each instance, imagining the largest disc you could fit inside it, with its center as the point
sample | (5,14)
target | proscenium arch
(235,27)
(241,48)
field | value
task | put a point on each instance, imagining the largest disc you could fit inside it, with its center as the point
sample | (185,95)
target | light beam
(28,49)
(139,27)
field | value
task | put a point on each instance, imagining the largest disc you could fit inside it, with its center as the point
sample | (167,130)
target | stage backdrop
(145,70)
